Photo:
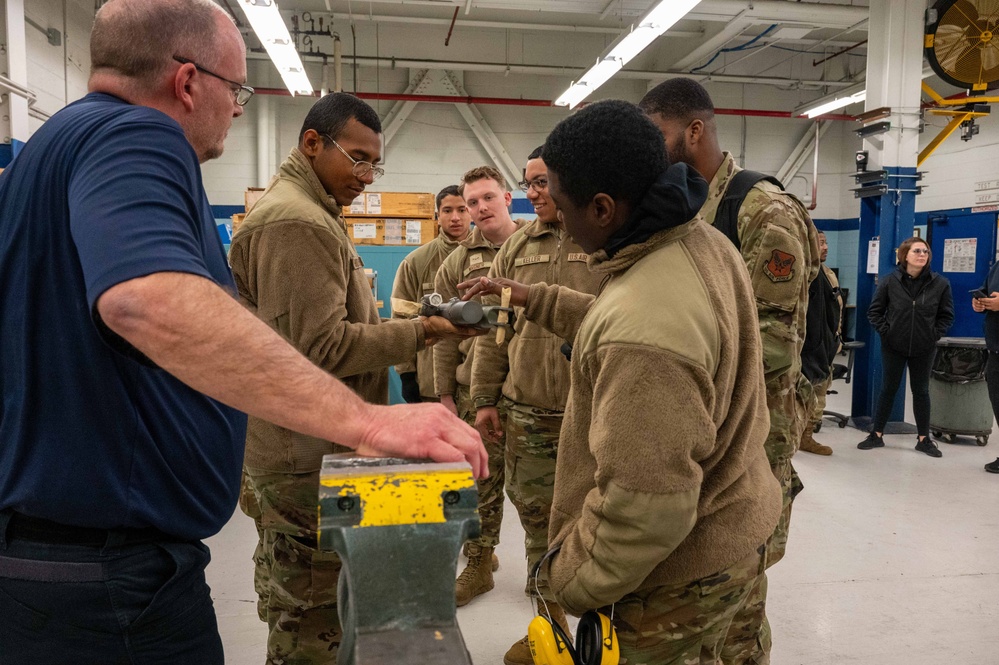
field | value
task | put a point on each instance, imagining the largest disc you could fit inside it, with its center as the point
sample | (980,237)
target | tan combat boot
(520,652)
(477,578)
(464,551)
(810,445)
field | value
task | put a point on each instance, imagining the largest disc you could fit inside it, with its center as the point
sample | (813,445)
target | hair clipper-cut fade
(138,39)
(903,250)
(481,173)
(450,190)
(330,115)
(678,99)
(609,147)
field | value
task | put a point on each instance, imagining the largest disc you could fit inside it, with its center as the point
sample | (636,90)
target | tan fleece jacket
(413,280)
(297,269)
(472,258)
(662,477)
(529,368)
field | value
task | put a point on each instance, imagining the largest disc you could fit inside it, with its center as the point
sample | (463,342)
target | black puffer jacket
(912,313)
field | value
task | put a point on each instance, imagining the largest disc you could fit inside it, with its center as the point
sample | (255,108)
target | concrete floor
(893,559)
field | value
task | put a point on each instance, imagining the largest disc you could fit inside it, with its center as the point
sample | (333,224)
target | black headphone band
(536,569)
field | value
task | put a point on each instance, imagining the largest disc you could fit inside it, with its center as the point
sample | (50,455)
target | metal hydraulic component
(467,313)
(398,526)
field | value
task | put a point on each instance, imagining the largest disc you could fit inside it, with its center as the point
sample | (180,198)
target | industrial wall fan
(962,42)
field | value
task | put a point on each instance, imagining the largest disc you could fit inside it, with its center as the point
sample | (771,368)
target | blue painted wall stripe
(522,206)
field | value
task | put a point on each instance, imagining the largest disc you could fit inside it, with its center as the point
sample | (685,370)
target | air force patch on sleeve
(780,267)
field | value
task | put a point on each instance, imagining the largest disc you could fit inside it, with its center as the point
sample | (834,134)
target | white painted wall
(58,74)
(435,146)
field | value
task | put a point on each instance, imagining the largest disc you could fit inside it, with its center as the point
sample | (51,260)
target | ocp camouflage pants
(685,624)
(531,447)
(295,582)
(491,488)
(819,404)
(749,638)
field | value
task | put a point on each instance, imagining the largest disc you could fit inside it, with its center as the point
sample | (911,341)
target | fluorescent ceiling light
(270,29)
(658,20)
(837,103)
(839,99)
(635,42)
(576,93)
(599,73)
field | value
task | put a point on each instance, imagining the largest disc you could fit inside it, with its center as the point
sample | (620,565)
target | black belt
(38,530)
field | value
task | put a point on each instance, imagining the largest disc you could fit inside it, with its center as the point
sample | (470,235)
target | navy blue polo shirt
(92,433)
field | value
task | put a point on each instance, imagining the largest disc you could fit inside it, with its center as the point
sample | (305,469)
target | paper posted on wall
(959,254)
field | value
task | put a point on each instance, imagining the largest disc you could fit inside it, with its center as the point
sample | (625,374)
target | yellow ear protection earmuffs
(596,640)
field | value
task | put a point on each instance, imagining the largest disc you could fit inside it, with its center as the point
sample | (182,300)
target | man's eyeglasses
(241,92)
(360,169)
(538,184)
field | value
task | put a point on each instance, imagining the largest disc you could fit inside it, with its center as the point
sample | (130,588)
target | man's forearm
(195,331)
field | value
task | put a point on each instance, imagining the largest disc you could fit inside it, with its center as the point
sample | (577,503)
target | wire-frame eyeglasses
(241,92)
(360,169)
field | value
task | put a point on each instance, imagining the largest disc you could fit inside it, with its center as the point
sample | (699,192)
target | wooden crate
(406,205)
(251,196)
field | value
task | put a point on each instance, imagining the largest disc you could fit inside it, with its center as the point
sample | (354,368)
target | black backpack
(727,217)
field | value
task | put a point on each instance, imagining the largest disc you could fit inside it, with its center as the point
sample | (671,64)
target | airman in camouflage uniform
(528,376)
(415,279)
(774,225)
(453,369)
(780,247)
(297,270)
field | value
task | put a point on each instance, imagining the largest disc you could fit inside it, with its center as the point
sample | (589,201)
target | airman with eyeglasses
(539,185)
(361,169)
(294,261)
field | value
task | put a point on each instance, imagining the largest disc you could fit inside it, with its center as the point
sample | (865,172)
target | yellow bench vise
(398,526)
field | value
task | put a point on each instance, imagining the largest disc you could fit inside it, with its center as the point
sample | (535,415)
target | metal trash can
(959,396)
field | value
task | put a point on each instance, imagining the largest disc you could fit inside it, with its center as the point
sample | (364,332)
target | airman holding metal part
(487,198)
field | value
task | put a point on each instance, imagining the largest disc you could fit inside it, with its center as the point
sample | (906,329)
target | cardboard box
(366,231)
(237,219)
(410,231)
(251,196)
(412,205)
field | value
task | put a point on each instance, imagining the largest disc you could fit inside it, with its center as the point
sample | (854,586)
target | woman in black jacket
(911,310)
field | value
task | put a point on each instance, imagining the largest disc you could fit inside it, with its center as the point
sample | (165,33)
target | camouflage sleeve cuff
(485,401)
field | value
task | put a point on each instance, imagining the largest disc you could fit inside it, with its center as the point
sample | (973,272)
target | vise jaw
(398,526)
